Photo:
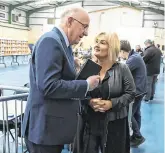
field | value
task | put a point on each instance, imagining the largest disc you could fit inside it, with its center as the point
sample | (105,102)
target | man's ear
(70,21)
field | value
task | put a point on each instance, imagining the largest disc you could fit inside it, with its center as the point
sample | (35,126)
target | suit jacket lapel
(66,49)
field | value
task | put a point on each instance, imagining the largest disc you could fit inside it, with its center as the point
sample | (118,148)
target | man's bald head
(75,22)
(75,12)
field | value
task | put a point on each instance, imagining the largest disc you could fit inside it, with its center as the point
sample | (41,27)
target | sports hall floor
(152,113)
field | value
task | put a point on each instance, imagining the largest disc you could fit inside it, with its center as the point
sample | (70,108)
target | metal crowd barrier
(11,117)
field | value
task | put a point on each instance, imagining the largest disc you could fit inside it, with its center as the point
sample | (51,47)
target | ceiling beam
(98,5)
(40,9)
(82,3)
(53,5)
(68,2)
(137,6)
(154,3)
(8,4)
(117,2)
(21,4)
(31,6)
(150,9)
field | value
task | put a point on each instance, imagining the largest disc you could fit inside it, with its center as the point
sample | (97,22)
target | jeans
(136,116)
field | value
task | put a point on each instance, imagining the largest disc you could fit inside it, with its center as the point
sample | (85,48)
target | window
(2,15)
(15,18)
(51,21)
(2,7)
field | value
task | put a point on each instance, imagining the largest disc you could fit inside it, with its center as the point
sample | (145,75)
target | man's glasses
(85,26)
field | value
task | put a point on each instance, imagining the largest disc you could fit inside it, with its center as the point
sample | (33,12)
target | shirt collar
(64,35)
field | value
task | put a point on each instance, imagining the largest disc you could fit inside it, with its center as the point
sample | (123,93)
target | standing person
(106,116)
(152,58)
(139,50)
(138,69)
(50,119)
(157,46)
(163,62)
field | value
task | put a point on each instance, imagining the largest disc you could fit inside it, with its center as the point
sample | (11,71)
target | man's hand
(100,105)
(93,82)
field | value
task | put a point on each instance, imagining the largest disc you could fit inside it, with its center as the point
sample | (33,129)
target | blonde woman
(107,126)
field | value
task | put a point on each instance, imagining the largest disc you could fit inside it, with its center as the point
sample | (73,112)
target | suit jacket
(152,59)
(51,112)
(138,69)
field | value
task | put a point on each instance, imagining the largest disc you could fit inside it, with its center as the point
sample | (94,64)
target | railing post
(4,129)
(7,126)
(21,124)
(16,129)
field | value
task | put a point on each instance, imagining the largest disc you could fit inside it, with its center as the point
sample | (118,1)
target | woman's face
(101,47)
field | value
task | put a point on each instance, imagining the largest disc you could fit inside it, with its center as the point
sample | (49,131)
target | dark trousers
(36,148)
(118,139)
(136,116)
(151,83)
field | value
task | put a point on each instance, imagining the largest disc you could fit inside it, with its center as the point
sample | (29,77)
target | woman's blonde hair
(113,42)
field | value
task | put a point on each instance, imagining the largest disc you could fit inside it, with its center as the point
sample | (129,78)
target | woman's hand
(96,103)
(100,105)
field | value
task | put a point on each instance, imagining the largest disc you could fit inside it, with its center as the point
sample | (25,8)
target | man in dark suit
(152,59)
(50,118)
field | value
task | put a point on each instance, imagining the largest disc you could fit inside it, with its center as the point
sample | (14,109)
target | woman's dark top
(117,86)
(97,118)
